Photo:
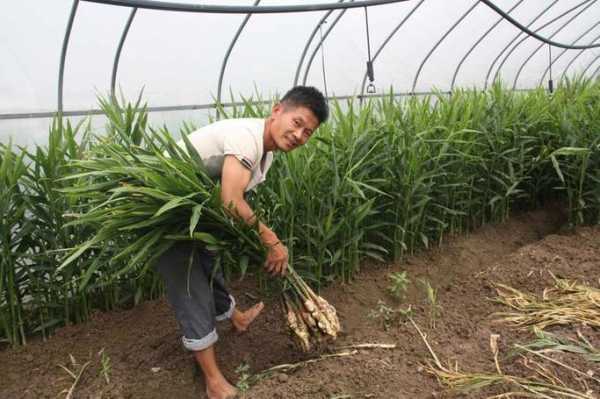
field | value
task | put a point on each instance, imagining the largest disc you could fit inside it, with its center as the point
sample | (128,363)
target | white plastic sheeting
(176,57)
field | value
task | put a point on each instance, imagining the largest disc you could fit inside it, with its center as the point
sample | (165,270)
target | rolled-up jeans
(196,292)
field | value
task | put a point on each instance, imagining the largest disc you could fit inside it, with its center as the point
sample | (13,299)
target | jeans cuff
(195,345)
(227,315)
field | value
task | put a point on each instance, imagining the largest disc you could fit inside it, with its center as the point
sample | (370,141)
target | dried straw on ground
(568,302)
(543,381)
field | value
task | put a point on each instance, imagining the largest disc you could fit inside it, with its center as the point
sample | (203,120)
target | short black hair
(309,97)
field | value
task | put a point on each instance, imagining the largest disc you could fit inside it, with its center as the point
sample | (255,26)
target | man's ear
(277,108)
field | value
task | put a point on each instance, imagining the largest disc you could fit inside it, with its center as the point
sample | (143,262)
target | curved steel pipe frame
(514,39)
(318,46)
(228,53)
(308,42)
(597,69)
(63,55)
(207,8)
(533,33)
(562,75)
(460,64)
(414,85)
(113,78)
(589,65)
(538,29)
(556,32)
(181,7)
(554,59)
(385,42)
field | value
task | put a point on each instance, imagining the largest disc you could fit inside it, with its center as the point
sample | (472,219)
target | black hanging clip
(370,74)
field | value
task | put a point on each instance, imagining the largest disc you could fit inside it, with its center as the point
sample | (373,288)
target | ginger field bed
(136,353)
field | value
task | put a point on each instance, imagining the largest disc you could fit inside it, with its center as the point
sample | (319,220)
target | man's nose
(298,135)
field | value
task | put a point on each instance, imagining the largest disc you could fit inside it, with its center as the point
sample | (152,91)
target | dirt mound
(146,358)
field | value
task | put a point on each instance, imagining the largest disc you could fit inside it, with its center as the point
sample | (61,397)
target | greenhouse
(300,199)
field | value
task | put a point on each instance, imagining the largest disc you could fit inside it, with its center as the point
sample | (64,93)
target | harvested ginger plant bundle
(310,317)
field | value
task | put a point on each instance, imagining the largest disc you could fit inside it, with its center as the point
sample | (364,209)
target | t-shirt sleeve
(243,146)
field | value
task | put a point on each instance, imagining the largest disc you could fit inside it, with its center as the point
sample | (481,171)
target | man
(239,152)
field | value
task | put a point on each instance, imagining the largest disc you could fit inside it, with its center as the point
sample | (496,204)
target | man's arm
(234,180)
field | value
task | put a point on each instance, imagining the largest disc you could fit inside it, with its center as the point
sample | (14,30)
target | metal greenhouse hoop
(497,74)
(556,32)
(134,5)
(554,59)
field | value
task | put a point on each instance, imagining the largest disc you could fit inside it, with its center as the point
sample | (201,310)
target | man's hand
(277,259)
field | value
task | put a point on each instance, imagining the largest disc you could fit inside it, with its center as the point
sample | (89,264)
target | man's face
(292,126)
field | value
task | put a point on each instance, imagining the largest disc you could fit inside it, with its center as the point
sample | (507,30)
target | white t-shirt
(242,138)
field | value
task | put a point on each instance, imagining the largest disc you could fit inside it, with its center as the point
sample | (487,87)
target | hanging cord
(370,73)
(550,82)
(323,58)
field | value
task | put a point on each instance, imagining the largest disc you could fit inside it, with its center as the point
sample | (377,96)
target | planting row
(84,216)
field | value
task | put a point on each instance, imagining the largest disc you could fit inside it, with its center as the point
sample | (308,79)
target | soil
(146,358)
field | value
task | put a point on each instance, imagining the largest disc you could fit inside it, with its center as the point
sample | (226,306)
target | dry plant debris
(568,302)
(543,382)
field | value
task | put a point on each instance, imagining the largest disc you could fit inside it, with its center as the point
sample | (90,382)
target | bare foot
(242,320)
(220,389)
